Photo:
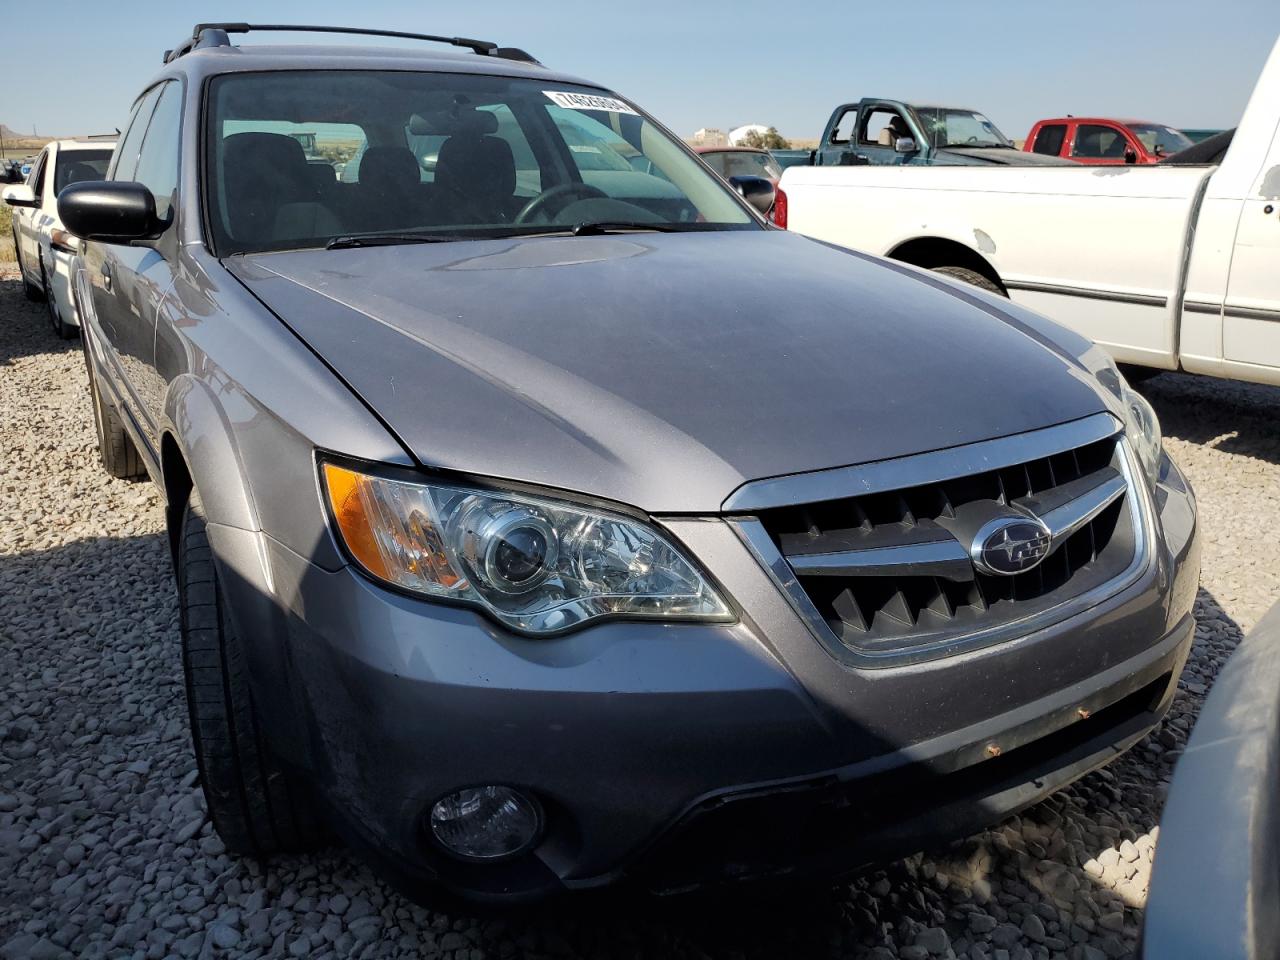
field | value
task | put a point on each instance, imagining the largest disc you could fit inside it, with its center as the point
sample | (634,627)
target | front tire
(257,807)
(116,451)
(973,278)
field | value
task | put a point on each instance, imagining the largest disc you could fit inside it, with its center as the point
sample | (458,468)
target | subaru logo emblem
(1010,545)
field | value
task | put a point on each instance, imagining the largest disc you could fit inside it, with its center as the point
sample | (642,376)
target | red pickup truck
(1103,140)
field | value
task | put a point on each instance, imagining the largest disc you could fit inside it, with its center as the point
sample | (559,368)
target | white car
(1166,266)
(44,249)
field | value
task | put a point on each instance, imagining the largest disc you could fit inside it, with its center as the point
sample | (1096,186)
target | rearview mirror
(110,211)
(757,191)
(20,195)
(904,145)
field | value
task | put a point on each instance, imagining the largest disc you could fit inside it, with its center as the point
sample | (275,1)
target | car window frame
(860,133)
(1115,129)
(832,139)
(179,83)
(549,152)
(36,176)
(134,118)
(1063,142)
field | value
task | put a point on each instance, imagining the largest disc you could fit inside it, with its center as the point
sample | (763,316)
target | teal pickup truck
(876,131)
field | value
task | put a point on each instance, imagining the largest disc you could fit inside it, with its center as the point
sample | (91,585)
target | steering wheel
(564,193)
(973,139)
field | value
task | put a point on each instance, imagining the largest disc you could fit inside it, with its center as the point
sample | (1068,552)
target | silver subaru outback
(544,519)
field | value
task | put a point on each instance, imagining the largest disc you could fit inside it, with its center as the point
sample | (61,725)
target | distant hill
(14,134)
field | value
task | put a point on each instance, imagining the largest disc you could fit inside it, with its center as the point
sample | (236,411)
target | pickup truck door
(1251,311)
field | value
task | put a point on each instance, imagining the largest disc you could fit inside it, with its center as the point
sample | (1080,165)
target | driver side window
(882,128)
(126,159)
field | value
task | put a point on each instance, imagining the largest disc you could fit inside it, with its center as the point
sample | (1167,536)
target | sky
(707,63)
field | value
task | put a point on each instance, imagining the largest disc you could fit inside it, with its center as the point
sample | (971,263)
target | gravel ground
(105,849)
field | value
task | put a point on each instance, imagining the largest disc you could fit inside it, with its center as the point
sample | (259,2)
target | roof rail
(217,35)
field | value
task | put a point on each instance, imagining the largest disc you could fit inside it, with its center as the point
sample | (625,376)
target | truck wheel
(971,277)
(257,807)
(115,448)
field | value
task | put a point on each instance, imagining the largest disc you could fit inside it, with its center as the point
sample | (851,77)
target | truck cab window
(1049,139)
(882,128)
(843,130)
(1096,141)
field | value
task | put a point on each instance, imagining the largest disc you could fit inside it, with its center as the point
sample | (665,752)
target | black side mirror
(110,211)
(757,191)
(1131,156)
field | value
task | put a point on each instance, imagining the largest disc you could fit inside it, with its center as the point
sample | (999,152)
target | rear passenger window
(1049,139)
(1095,141)
(843,131)
(158,162)
(126,159)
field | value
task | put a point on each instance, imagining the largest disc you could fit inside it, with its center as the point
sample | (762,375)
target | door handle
(106,275)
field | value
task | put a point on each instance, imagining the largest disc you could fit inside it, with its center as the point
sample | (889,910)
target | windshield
(948,127)
(74,166)
(743,163)
(302,158)
(1160,139)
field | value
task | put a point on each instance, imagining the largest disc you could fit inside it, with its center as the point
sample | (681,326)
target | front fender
(207,443)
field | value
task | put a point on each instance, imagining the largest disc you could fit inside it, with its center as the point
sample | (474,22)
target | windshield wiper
(594,228)
(386,239)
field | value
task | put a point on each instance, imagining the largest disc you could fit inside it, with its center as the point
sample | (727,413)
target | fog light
(485,823)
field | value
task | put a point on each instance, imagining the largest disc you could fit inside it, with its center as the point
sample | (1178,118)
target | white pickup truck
(1174,267)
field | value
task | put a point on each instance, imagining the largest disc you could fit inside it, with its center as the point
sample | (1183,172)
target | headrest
(260,151)
(394,167)
(478,166)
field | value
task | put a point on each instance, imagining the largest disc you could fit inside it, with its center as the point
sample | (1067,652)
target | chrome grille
(891,572)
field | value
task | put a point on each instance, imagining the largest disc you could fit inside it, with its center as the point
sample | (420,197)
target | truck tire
(115,447)
(257,807)
(971,277)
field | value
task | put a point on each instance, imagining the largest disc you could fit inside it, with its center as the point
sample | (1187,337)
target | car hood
(664,370)
(1006,155)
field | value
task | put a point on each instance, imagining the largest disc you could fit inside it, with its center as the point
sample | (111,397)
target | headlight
(1141,425)
(536,565)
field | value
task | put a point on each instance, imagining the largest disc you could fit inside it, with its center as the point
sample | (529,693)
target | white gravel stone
(105,848)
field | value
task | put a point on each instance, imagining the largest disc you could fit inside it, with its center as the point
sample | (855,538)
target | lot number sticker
(587,101)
